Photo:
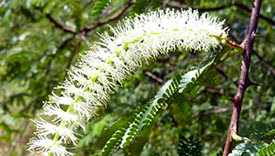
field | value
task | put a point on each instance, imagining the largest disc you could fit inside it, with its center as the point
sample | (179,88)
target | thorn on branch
(254,36)
(262,60)
(250,83)
(233,100)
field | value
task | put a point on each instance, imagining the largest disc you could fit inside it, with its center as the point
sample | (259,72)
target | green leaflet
(267,151)
(270,134)
(99,6)
(107,133)
(193,76)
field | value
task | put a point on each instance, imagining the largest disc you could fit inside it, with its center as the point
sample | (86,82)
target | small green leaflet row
(124,130)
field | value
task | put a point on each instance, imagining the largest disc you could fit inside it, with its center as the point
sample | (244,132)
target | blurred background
(41,39)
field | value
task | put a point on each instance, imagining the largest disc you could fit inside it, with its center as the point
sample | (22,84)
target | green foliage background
(41,39)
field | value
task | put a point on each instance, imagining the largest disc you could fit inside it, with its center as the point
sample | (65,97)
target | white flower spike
(113,59)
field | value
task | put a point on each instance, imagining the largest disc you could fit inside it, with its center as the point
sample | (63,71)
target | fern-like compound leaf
(189,146)
(141,118)
(145,115)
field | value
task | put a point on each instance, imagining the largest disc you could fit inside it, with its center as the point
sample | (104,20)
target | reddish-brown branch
(265,63)
(222,7)
(58,25)
(154,77)
(244,81)
(243,7)
(87,29)
(213,91)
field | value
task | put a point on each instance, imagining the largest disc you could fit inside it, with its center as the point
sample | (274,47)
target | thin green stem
(62,123)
